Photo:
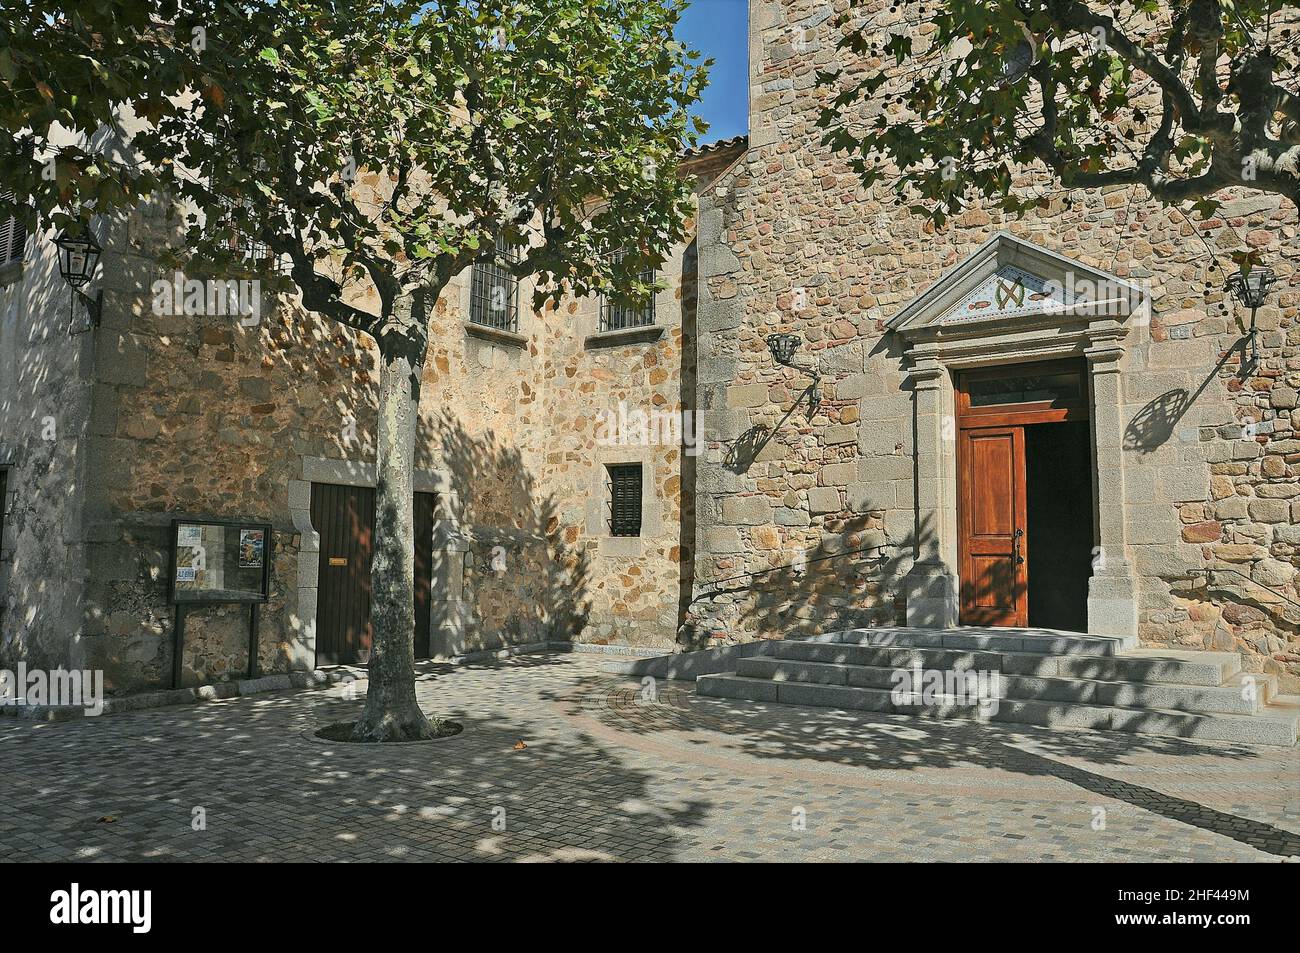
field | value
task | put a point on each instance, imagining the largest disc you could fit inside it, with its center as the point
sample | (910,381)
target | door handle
(1015,546)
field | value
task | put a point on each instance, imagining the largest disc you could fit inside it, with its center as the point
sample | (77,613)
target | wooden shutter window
(625,499)
(12,237)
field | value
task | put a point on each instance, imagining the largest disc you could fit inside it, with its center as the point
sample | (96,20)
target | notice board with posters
(219,561)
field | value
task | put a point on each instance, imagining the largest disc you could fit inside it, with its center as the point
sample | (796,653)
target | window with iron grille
(624,499)
(494,290)
(619,316)
(249,248)
(13,236)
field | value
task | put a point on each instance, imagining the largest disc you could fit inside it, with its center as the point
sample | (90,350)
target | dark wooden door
(992,544)
(345,518)
(424,510)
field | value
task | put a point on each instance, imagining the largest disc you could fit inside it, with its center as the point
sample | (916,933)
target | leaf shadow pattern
(869,742)
(251,764)
(850,578)
(504,514)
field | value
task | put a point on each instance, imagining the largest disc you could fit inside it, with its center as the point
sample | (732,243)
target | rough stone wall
(210,418)
(801,246)
(199,416)
(597,393)
(45,403)
(202,416)
(482,424)
(525,428)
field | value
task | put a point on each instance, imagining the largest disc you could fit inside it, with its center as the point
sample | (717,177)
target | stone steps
(1035,641)
(1077,682)
(1182,669)
(1229,698)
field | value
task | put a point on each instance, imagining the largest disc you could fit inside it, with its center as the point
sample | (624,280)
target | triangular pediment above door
(1007,282)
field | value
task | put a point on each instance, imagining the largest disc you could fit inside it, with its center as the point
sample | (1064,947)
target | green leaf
(1207,208)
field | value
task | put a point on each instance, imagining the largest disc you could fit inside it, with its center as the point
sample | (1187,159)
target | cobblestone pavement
(606,773)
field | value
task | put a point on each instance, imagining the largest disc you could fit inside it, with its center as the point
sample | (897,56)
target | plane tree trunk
(391,712)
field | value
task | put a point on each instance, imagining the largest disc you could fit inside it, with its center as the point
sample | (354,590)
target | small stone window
(494,289)
(624,499)
(617,316)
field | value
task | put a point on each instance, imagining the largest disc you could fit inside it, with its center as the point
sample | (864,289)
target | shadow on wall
(1249,612)
(688,394)
(744,450)
(203,432)
(200,414)
(851,579)
(1153,425)
(526,576)
(44,408)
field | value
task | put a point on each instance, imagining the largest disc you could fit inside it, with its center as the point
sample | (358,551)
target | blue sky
(720,29)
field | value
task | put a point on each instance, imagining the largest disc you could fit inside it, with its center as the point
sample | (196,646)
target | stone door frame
(447,610)
(934,352)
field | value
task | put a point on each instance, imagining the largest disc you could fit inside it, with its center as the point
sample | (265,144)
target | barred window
(624,499)
(618,316)
(249,248)
(13,236)
(494,290)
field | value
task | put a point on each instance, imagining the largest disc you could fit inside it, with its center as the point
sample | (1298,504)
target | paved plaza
(614,769)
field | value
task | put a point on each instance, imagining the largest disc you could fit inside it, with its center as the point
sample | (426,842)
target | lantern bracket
(79,255)
(783,347)
(1250,286)
(94,305)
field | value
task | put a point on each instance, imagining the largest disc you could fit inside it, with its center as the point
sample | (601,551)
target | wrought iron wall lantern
(1250,287)
(78,261)
(783,346)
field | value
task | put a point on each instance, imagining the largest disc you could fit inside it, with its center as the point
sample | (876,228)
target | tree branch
(320,293)
(1206,28)
(1076,16)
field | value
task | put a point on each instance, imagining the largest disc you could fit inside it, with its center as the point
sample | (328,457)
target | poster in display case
(218,561)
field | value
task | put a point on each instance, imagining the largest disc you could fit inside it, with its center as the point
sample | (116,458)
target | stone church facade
(963,436)
(1187,520)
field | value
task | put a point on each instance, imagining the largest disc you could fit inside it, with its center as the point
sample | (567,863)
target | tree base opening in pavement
(345,731)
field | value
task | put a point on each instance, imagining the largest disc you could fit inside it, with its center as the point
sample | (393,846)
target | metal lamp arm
(815,395)
(94,305)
